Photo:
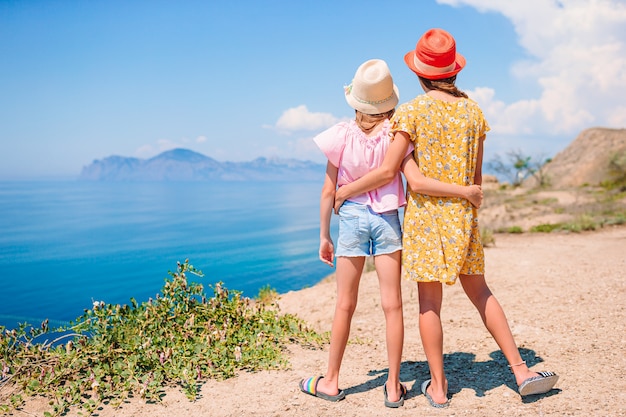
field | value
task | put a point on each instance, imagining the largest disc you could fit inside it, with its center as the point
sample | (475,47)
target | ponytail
(446,85)
(367,122)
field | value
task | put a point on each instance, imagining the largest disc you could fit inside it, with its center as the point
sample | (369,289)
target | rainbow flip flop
(309,386)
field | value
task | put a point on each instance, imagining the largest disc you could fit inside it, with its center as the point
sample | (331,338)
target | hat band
(348,90)
(422,67)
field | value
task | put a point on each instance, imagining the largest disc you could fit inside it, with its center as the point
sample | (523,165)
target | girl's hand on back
(475,195)
(327,251)
(339,200)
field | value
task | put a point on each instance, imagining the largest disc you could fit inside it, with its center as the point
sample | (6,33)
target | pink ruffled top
(355,154)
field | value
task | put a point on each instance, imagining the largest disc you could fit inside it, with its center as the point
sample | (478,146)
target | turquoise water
(66,244)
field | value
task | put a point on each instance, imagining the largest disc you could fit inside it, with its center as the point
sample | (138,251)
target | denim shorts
(363,232)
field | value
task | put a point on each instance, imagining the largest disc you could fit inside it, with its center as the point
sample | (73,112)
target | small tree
(617,168)
(518,167)
(538,169)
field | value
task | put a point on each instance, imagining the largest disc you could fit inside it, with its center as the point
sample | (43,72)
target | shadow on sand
(462,371)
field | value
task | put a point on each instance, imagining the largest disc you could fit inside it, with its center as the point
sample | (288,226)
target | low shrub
(546,227)
(180,338)
(487,237)
(581,223)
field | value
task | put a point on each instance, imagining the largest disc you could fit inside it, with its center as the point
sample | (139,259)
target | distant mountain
(186,165)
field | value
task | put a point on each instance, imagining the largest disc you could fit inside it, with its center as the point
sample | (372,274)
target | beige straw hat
(372,90)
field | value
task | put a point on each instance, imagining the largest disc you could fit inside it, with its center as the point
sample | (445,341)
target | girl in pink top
(355,153)
(369,224)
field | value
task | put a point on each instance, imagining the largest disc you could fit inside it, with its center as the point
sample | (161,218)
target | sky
(238,80)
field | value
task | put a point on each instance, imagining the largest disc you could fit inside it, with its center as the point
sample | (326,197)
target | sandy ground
(564,295)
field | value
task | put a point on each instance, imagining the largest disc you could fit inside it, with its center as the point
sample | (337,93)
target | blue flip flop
(309,386)
(432,402)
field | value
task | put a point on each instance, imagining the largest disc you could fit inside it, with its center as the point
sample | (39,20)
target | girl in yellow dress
(441,240)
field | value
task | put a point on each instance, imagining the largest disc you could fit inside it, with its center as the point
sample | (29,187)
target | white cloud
(302,148)
(300,118)
(144,151)
(305,148)
(167,144)
(577,51)
(617,116)
(505,119)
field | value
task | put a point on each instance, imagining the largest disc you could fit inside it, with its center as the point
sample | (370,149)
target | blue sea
(66,244)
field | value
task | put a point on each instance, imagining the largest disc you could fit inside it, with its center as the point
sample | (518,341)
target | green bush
(267,295)
(181,338)
(617,167)
(619,219)
(582,223)
(546,227)
(487,237)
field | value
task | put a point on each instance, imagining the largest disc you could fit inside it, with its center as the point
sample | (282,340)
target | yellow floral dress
(441,238)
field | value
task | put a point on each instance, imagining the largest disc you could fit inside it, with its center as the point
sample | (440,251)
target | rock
(586,160)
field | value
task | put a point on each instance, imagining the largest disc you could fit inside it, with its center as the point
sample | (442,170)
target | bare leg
(388,269)
(430,296)
(495,321)
(349,271)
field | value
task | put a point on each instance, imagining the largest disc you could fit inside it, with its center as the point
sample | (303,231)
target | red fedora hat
(435,56)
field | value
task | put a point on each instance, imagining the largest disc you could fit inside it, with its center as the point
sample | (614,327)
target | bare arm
(387,171)
(377,177)
(327,199)
(478,174)
(418,183)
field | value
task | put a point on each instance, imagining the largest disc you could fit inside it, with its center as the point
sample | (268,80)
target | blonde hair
(367,122)
(446,85)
